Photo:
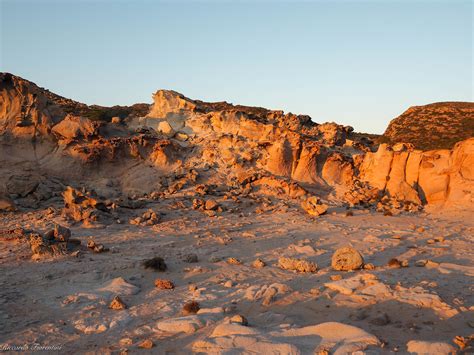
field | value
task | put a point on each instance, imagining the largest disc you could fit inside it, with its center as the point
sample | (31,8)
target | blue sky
(359,63)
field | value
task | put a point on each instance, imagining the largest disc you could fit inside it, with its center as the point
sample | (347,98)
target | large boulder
(347,259)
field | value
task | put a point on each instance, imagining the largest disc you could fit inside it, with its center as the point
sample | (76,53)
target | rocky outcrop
(28,110)
(25,108)
(291,154)
(433,177)
(168,103)
(73,127)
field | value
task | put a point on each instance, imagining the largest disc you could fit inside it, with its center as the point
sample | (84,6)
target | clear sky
(359,63)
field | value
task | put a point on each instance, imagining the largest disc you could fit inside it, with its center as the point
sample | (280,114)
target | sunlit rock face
(179,133)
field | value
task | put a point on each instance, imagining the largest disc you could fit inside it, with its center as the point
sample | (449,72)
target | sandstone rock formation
(242,148)
(436,176)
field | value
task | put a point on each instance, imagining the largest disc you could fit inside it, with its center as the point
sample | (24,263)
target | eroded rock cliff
(218,144)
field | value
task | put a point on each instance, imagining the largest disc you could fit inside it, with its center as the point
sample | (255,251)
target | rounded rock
(346,259)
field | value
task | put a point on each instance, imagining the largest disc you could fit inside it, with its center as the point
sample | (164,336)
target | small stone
(191,308)
(164,284)
(117,304)
(157,263)
(394,263)
(126,341)
(314,207)
(96,247)
(228,284)
(239,319)
(431,263)
(336,277)
(192,287)
(61,234)
(181,136)
(99,248)
(420,263)
(215,259)
(115,120)
(258,264)
(430,241)
(211,205)
(234,261)
(369,266)
(460,341)
(146,344)
(210,213)
(191,258)
(346,259)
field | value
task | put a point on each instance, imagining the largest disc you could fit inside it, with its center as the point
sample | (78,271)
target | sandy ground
(64,301)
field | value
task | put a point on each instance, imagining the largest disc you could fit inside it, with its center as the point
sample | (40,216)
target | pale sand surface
(62,301)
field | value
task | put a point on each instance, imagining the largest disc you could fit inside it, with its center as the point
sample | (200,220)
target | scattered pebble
(117,304)
(258,264)
(239,319)
(191,258)
(191,307)
(146,344)
(234,261)
(157,263)
(163,284)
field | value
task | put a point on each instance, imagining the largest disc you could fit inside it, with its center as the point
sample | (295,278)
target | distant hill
(435,126)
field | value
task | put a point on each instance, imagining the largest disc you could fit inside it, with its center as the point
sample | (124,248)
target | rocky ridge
(182,142)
